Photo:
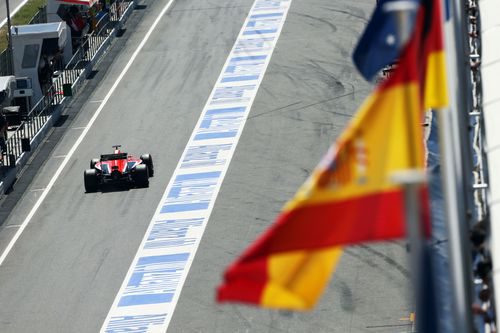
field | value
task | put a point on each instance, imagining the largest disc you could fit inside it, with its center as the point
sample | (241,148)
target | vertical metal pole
(9,45)
(457,175)
(404,13)
(416,242)
(459,251)
(412,179)
(456,161)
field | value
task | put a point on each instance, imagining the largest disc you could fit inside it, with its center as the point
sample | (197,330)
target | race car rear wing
(111,157)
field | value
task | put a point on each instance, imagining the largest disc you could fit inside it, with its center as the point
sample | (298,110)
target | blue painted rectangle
(225,110)
(208,180)
(200,175)
(253,24)
(266,15)
(260,32)
(162,259)
(140,323)
(240,78)
(183,207)
(208,136)
(170,229)
(230,69)
(259,57)
(145,299)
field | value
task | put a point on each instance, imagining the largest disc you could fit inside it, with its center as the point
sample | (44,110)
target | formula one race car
(118,168)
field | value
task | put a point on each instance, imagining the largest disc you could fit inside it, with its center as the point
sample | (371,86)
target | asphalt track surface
(66,268)
(14,6)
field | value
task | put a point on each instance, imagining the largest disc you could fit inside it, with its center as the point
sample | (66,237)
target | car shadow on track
(112,188)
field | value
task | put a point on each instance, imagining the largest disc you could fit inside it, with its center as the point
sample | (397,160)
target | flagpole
(457,172)
(412,179)
(10,55)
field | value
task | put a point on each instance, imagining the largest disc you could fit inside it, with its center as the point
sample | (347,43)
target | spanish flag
(349,198)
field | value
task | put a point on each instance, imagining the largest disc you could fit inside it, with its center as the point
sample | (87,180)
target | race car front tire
(148,161)
(141,176)
(93,162)
(90,180)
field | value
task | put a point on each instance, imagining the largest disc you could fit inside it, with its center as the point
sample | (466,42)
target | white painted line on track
(149,294)
(13,12)
(59,170)
(12,226)
(37,190)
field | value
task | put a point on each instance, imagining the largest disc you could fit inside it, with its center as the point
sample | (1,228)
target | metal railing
(40,16)
(485,320)
(68,80)
(30,125)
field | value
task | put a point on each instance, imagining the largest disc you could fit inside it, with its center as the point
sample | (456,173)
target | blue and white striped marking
(151,289)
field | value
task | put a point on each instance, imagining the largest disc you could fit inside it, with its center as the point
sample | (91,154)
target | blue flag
(379,45)
(447,10)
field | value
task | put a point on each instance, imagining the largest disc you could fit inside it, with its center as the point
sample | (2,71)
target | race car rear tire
(93,162)
(148,161)
(141,177)
(90,180)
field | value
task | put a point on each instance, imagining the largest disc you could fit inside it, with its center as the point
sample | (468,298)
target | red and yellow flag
(349,198)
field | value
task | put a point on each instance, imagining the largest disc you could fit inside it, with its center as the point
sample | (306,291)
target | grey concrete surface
(14,7)
(66,268)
